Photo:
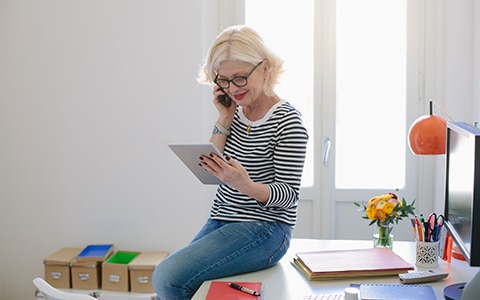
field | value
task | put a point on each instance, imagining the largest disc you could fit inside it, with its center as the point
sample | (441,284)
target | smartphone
(225,99)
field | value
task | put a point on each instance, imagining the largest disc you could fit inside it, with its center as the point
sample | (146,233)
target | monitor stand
(454,291)
(463,291)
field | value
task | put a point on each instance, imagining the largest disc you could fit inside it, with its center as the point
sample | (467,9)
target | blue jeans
(220,249)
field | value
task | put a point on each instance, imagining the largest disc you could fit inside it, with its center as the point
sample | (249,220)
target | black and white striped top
(273,152)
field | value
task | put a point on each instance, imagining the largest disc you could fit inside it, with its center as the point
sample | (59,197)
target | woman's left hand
(232,173)
(229,172)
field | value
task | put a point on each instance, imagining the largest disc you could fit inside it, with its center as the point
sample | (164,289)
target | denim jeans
(220,249)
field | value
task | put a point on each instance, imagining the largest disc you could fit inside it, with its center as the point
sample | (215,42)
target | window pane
(371,94)
(289,32)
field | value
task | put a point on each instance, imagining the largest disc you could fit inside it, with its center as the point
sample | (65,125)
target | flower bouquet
(385,211)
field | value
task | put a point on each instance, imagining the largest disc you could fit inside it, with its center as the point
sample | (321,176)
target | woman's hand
(232,173)
(225,112)
(229,172)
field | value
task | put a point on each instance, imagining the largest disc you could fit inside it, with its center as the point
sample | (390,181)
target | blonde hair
(241,44)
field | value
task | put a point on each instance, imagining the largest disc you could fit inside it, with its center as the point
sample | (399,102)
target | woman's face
(252,91)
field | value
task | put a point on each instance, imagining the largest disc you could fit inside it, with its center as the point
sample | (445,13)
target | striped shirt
(272,150)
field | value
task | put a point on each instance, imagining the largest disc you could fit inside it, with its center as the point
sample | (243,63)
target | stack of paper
(323,265)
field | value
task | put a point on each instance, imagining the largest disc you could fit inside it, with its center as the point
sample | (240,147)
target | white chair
(51,293)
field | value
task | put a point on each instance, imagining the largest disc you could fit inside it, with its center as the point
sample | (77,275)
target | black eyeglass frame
(236,78)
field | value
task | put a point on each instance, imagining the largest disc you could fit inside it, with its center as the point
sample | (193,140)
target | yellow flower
(381,215)
(373,202)
(386,209)
(371,212)
(386,197)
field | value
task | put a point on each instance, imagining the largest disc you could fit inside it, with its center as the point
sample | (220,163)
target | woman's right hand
(225,112)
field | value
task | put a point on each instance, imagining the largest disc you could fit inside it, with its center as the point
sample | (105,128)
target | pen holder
(427,254)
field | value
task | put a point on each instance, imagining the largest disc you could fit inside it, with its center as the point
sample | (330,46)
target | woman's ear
(266,69)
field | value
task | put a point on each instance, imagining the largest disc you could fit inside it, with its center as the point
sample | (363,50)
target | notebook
(330,264)
(396,291)
(189,154)
(221,290)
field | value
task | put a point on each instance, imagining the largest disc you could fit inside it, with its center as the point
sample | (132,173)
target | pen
(419,228)
(426,227)
(243,289)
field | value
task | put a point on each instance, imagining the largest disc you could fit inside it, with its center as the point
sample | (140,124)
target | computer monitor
(462,194)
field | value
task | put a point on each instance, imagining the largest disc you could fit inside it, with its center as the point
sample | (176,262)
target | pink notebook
(222,290)
(329,264)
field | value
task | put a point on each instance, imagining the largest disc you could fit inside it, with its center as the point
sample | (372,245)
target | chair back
(51,293)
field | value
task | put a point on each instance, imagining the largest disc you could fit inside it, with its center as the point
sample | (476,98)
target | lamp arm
(441,108)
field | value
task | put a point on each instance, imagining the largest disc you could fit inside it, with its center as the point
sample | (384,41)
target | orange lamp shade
(428,135)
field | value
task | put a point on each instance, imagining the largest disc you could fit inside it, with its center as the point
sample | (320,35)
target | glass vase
(382,236)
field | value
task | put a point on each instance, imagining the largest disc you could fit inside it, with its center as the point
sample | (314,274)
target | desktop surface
(284,281)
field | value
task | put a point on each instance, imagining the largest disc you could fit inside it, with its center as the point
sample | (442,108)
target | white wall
(455,83)
(90,93)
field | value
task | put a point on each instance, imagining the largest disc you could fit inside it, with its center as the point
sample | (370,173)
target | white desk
(283,281)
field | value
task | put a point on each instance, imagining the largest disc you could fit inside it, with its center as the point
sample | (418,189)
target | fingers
(227,170)
(213,159)
(214,163)
(217,91)
(216,94)
(207,160)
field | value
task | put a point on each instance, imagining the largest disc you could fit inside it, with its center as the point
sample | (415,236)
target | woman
(264,142)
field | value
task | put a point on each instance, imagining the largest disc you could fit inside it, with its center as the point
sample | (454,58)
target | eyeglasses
(239,81)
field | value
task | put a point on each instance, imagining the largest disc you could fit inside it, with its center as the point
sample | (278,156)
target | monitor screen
(462,188)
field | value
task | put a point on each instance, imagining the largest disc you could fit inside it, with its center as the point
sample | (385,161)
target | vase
(382,236)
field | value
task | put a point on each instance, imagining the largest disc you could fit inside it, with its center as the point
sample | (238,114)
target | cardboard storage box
(57,267)
(115,273)
(141,269)
(86,269)
(86,275)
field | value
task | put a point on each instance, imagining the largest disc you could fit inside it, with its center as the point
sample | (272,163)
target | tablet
(189,154)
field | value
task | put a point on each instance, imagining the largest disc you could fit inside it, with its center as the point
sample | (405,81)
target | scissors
(435,224)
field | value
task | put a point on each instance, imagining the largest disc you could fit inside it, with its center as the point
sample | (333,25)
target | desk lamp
(427,135)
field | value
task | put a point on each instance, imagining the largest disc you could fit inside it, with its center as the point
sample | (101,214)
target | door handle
(326,151)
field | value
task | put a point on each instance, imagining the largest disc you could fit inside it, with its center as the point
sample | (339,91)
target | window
(289,32)
(348,72)
(371,94)
(370,109)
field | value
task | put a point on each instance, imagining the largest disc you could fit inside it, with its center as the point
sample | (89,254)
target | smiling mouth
(240,96)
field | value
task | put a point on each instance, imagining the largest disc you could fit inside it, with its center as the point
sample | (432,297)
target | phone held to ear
(225,100)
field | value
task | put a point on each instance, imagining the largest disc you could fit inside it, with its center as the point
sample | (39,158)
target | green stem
(384,238)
